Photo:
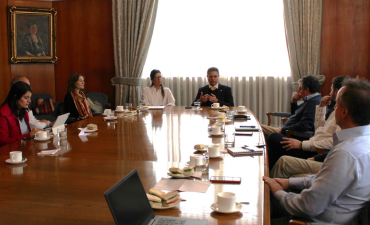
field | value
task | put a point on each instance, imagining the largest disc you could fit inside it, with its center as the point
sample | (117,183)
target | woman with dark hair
(14,120)
(156,94)
(75,101)
(31,42)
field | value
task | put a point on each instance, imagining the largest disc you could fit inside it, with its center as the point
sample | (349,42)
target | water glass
(230,115)
(202,163)
(196,106)
(62,133)
(128,106)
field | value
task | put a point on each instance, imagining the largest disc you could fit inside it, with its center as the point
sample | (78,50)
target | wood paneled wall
(85,45)
(41,75)
(345,44)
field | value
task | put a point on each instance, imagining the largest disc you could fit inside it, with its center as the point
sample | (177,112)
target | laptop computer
(129,205)
(59,122)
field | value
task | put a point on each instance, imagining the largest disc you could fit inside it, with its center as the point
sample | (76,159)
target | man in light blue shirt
(342,186)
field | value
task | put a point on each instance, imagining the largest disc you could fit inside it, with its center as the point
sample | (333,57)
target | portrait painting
(32,34)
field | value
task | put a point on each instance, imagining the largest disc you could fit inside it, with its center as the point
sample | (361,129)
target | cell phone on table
(226,179)
(27,138)
(188,107)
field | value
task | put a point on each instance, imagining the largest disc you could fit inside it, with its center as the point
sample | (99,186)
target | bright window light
(242,38)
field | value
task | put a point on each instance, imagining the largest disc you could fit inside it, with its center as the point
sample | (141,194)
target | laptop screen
(128,202)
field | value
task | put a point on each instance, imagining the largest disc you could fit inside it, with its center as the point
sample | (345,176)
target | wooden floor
(69,188)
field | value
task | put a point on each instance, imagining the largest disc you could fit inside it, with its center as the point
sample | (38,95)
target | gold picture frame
(32,35)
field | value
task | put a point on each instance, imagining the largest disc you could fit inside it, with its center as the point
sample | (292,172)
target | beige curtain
(260,94)
(133,23)
(303,34)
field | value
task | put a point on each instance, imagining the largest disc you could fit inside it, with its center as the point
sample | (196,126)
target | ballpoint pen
(249,126)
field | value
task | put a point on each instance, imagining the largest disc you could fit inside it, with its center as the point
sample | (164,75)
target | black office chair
(101,98)
(46,98)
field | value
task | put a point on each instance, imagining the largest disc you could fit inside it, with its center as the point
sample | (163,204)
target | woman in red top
(14,123)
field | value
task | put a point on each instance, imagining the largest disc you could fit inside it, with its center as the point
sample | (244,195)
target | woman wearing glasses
(156,94)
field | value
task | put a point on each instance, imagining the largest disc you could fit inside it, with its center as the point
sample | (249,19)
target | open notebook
(236,151)
(129,205)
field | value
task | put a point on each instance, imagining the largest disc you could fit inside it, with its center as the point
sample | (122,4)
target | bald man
(34,123)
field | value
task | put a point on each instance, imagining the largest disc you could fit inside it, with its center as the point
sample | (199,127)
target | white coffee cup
(216,130)
(241,108)
(15,156)
(214,150)
(119,108)
(107,111)
(215,105)
(226,201)
(41,134)
(192,159)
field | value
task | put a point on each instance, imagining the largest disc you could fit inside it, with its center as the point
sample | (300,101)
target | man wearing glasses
(214,92)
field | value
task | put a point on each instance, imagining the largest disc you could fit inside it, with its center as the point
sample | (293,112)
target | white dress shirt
(155,98)
(342,186)
(34,123)
(323,137)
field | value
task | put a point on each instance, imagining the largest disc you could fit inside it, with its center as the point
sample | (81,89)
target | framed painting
(32,35)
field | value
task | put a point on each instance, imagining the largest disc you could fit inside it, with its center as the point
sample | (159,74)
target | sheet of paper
(182,185)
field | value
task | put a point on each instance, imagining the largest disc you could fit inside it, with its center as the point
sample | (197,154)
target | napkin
(54,152)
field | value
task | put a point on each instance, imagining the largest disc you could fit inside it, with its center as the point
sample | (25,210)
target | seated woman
(153,96)
(14,120)
(75,101)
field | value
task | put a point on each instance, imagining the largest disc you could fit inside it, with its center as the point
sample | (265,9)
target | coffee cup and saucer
(226,203)
(15,157)
(41,136)
(215,105)
(120,109)
(216,131)
(241,109)
(214,151)
(110,118)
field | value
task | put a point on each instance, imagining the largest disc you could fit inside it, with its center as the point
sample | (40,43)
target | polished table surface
(69,188)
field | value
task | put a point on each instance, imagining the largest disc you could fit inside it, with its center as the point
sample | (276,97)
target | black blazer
(223,94)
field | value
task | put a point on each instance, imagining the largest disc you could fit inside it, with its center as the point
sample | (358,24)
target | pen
(249,126)
(246,147)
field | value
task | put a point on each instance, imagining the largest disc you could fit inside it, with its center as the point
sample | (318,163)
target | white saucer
(216,157)
(238,207)
(241,111)
(219,134)
(178,175)
(44,139)
(10,161)
(90,131)
(119,111)
(172,205)
(111,118)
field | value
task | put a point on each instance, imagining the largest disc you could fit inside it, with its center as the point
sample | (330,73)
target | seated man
(323,139)
(34,123)
(214,92)
(302,119)
(342,186)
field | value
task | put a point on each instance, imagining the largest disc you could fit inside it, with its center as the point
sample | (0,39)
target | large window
(243,38)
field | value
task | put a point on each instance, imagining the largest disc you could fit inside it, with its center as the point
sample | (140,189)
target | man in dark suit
(214,92)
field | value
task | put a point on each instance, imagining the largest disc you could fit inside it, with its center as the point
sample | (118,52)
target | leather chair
(99,97)
(49,117)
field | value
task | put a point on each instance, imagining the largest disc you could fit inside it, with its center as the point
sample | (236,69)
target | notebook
(256,128)
(241,151)
(128,204)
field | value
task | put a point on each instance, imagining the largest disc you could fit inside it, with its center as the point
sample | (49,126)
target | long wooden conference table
(69,188)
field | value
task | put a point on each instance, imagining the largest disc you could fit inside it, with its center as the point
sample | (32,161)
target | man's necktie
(213,88)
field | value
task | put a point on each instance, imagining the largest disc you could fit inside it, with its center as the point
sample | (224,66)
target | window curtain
(303,34)
(260,94)
(133,23)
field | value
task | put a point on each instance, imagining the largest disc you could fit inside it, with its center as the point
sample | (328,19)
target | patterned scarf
(81,104)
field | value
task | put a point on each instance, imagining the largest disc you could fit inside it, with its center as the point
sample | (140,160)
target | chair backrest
(99,97)
(43,96)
